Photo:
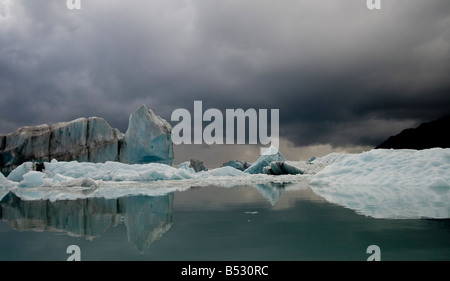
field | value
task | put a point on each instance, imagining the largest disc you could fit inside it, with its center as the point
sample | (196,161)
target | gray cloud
(339,73)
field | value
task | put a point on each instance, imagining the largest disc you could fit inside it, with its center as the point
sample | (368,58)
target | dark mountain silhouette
(427,135)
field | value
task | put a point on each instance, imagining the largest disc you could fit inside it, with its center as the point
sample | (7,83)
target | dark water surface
(261,222)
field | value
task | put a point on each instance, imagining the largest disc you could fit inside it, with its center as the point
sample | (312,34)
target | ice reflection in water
(147,218)
(273,221)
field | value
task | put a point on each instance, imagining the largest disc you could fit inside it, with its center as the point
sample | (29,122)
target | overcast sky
(342,76)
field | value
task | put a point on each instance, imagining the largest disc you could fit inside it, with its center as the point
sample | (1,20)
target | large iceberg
(148,139)
(386,183)
(402,167)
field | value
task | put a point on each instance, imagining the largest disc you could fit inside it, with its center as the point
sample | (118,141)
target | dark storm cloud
(339,73)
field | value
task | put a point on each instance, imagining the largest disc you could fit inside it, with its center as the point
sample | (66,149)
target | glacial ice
(290,168)
(186,165)
(17,173)
(223,172)
(379,183)
(116,171)
(402,167)
(237,164)
(270,155)
(103,142)
(193,165)
(148,139)
(32,179)
(385,183)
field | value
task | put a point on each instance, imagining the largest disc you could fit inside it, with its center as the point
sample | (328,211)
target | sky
(343,77)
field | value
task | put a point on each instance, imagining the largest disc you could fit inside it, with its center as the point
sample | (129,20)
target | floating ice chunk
(17,173)
(32,179)
(226,171)
(186,165)
(193,165)
(197,165)
(270,155)
(237,164)
(116,171)
(287,168)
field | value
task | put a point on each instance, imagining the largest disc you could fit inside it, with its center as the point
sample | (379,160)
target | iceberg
(115,171)
(386,183)
(17,174)
(186,165)
(283,168)
(32,179)
(25,144)
(193,165)
(103,142)
(309,167)
(270,155)
(224,172)
(402,167)
(237,164)
(67,141)
(197,165)
(147,140)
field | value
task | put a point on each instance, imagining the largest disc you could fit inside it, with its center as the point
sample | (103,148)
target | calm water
(261,222)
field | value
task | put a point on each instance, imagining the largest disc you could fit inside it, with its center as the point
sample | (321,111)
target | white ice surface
(384,183)
(17,173)
(387,167)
